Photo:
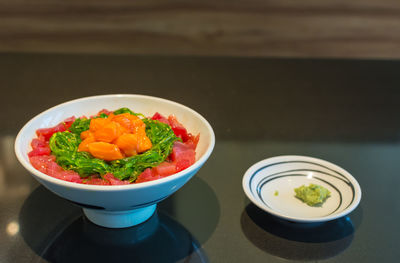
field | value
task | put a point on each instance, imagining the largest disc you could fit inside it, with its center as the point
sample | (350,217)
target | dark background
(343,111)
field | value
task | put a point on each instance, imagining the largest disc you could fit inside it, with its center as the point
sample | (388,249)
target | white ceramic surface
(133,203)
(270,185)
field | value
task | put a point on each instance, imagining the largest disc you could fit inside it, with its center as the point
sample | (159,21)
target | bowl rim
(164,180)
(256,166)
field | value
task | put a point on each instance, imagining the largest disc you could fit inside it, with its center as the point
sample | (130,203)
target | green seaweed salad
(64,145)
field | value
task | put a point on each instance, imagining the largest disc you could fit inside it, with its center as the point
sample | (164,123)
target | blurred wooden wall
(277,28)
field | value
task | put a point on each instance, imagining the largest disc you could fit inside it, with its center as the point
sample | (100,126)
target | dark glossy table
(343,111)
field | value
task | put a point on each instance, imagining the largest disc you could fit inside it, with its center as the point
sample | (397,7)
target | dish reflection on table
(70,237)
(296,241)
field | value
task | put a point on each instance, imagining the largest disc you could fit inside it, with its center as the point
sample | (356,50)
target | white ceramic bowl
(118,205)
(270,185)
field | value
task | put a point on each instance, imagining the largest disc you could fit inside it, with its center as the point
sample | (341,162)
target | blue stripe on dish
(337,176)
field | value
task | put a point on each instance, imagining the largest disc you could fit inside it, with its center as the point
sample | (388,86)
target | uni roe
(115,137)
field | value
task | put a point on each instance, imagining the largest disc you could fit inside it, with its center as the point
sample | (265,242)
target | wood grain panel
(308,28)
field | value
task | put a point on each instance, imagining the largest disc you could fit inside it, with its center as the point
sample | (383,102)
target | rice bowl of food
(116,156)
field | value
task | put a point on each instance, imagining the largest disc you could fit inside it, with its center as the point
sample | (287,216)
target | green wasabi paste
(313,194)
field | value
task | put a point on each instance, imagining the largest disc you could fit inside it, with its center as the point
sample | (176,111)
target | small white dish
(270,185)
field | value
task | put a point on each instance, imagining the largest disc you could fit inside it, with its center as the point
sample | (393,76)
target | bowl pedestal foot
(119,219)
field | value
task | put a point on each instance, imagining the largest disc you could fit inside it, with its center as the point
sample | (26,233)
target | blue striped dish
(270,185)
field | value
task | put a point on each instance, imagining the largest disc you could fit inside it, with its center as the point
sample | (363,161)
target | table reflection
(296,241)
(160,239)
(65,235)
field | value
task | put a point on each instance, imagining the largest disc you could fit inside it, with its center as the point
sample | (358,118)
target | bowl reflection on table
(125,205)
(57,231)
(159,239)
